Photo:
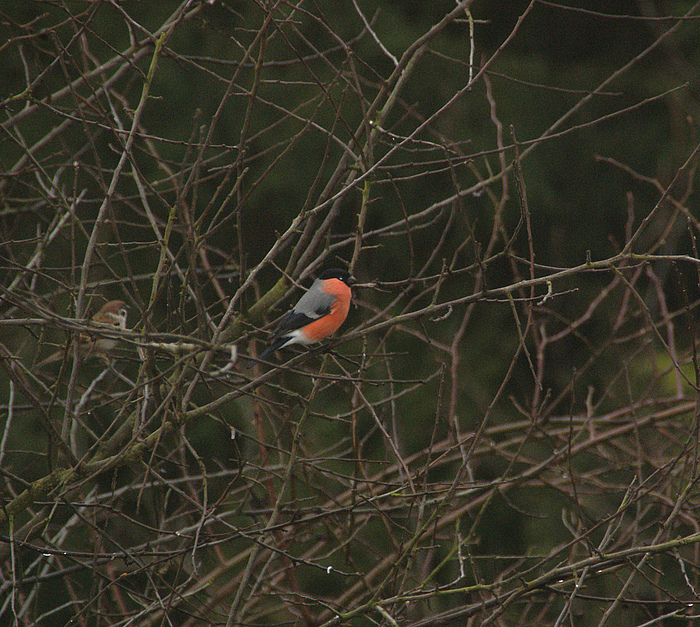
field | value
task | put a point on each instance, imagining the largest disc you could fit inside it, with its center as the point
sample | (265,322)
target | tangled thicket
(505,431)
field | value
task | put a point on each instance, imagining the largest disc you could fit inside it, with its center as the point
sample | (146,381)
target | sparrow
(112,314)
(319,313)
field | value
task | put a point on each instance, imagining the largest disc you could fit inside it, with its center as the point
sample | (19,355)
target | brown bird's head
(114,312)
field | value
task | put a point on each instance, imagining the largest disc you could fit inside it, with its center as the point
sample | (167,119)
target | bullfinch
(318,314)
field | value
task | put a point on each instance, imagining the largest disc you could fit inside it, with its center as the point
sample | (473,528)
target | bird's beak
(351,280)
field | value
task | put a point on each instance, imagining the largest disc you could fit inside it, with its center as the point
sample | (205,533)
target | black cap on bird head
(338,273)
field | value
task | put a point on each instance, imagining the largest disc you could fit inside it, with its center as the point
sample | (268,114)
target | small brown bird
(112,314)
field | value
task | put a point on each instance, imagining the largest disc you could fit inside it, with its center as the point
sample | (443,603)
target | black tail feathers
(278,343)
